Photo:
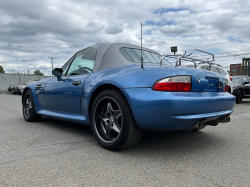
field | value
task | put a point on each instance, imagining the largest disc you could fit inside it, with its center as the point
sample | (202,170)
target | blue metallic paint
(62,95)
(153,110)
(169,111)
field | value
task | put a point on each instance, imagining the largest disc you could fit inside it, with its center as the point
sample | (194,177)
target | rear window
(222,71)
(134,55)
(214,69)
(205,67)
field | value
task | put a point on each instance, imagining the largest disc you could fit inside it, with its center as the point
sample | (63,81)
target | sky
(31,31)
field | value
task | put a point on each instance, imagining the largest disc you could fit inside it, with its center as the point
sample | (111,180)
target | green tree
(37,72)
(1,69)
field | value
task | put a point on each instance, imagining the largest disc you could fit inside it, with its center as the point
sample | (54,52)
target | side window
(66,65)
(214,69)
(83,62)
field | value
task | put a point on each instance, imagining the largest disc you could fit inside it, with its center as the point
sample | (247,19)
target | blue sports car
(108,87)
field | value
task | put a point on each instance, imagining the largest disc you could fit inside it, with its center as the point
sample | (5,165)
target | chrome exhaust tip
(197,126)
(221,120)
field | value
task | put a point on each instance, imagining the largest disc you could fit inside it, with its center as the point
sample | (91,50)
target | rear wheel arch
(97,91)
(128,131)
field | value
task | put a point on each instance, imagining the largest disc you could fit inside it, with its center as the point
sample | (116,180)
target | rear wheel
(239,96)
(29,112)
(112,121)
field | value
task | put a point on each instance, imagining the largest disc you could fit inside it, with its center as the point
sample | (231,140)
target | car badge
(198,80)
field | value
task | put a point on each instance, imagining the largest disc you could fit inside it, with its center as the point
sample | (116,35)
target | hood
(20,86)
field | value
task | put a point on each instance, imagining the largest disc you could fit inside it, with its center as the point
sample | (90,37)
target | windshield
(236,79)
(245,79)
(134,55)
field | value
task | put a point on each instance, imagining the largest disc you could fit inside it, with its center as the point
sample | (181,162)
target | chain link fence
(7,80)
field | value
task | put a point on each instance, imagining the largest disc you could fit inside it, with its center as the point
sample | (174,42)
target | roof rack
(185,57)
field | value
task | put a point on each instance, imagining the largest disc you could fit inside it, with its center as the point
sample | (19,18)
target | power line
(232,55)
(229,55)
(220,42)
(224,52)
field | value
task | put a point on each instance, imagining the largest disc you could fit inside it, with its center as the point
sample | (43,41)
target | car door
(64,95)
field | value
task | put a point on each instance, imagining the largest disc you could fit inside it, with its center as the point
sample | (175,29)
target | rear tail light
(231,78)
(173,84)
(226,86)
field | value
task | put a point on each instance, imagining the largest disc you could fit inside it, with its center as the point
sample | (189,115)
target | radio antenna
(141,48)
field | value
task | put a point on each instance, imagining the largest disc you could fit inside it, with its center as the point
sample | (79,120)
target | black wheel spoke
(116,128)
(27,106)
(29,112)
(112,121)
(108,123)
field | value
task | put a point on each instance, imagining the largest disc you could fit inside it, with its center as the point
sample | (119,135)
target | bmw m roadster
(110,88)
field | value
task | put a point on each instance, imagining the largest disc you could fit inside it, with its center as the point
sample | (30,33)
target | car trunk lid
(204,81)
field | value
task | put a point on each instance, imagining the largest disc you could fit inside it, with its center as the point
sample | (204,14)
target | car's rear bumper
(170,111)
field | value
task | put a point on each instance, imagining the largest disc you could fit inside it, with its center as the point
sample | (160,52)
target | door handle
(76,83)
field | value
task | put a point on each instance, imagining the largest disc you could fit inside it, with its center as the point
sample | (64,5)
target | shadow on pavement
(70,127)
(170,143)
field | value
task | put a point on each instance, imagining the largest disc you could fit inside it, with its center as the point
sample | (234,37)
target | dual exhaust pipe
(221,120)
(202,124)
(199,125)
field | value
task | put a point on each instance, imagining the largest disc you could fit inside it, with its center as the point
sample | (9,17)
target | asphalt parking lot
(57,153)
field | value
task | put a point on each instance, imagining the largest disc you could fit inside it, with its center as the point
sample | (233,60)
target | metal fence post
(0,84)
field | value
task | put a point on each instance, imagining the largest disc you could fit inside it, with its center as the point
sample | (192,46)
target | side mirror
(58,73)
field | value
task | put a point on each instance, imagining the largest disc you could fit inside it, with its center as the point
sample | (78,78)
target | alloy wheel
(108,119)
(27,106)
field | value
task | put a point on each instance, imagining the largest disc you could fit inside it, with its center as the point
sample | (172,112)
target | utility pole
(52,62)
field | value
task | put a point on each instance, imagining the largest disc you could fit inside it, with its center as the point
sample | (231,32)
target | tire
(239,96)
(112,121)
(16,90)
(29,111)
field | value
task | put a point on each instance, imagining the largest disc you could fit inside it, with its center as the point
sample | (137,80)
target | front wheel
(29,112)
(112,121)
(239,97)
